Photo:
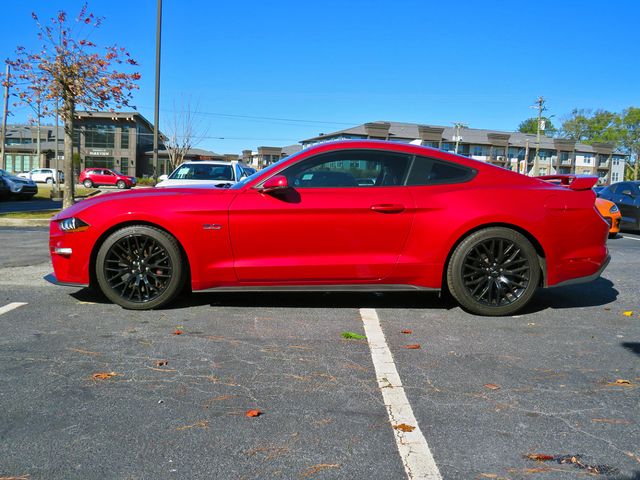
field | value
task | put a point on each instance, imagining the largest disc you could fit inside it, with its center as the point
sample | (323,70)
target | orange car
(607,209)
(611,214)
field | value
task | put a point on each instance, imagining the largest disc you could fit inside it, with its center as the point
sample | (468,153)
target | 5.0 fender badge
(211,226)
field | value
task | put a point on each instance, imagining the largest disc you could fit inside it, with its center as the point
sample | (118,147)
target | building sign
(99,153)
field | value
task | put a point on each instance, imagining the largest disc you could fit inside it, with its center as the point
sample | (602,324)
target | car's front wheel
(140,267)
(49,181)
(88,183)
(494,271)
(121,184)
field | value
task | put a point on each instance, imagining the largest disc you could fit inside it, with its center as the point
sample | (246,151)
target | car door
(623,196)
(324,227)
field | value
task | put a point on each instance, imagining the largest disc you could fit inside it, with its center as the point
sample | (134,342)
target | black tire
(140,267)
(494,272)
(87,183)
(121,185)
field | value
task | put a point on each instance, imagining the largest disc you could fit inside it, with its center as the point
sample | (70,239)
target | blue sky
(325,66)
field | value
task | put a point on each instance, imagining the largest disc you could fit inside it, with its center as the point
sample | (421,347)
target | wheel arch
(101,239)
(542,257)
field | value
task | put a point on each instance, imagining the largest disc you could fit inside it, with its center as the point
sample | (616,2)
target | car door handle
(388,208)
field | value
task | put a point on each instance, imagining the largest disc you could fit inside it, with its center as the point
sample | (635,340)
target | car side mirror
(275,183)
(162,178)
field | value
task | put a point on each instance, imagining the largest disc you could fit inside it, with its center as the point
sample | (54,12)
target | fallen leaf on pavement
(200,424)
(488,475)
(353,336)
(312,470)
(103,375)
(612,421)
(539,457)
(628,313)
(21,477)
(162,363)
(178,332)
(492,386)
(411,347)
(404,427)
(407,332)
(86,352)
(253,413)
(620,382)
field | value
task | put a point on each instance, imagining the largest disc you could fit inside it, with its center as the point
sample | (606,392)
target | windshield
(273,166)
(195,171)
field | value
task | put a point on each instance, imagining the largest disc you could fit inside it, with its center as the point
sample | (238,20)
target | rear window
(429,171)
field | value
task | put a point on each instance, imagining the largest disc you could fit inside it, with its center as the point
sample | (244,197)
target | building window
(480,151)
(587,159)
(99,136)
(98,162)
(124,137)
(124,166)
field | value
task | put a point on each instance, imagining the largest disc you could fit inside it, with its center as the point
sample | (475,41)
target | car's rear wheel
(120,184)
(140,267)
(88,183)
(49,181)
(494,271)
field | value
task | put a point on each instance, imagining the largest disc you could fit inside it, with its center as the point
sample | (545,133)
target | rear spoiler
(574,182)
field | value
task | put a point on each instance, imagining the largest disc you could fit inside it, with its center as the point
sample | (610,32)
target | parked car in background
(611,213)
(5,192)
(215,173)
(43,175)
(626,195)
(249,171)
(96,177)
(432,221)
(19,187)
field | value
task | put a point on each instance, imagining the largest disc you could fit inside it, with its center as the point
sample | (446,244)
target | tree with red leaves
(69,68)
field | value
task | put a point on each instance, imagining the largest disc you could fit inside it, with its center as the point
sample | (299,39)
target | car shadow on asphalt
(593,294)
(633,347)
(596,293)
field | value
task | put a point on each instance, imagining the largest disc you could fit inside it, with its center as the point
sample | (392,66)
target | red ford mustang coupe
(426,220)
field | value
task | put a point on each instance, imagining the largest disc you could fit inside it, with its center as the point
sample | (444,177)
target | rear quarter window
(431,171)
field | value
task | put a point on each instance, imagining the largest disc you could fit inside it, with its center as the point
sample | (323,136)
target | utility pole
(4,118)
(156,113)
(536,160)
(457,137)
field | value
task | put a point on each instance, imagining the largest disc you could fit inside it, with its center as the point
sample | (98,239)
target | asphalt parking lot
(559,380)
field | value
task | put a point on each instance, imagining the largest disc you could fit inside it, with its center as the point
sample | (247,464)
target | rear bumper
(585,279)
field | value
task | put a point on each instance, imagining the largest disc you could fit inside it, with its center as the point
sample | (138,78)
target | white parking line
(413,448)
(630,238)
(11,306)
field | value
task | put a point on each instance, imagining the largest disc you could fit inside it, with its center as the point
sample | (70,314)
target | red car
(94,177)
(430,221)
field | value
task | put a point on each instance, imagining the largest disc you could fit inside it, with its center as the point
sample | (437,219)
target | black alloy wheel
(494,272)
(140,267)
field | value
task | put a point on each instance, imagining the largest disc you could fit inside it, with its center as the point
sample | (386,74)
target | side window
(350,168)
(617,188)
(429,171)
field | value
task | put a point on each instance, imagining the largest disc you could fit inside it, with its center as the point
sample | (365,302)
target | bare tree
(183,132)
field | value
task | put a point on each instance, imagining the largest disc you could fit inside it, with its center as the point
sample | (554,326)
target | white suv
(215,173)
(42,175)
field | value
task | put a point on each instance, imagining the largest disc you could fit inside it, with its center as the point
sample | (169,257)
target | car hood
(16,179)
(133,197)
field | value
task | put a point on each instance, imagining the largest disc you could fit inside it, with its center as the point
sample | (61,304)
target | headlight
(614,209)
(72,224)
(13,186)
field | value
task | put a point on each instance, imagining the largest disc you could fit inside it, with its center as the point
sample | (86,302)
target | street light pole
(4,118)
(156,113)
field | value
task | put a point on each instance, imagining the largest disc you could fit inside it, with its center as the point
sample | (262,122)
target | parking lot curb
(24,222)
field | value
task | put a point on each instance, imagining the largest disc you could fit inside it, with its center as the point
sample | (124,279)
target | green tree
(576,125)
(630,141)
(530,125)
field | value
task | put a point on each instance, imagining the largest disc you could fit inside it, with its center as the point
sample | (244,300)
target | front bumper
(51,278)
